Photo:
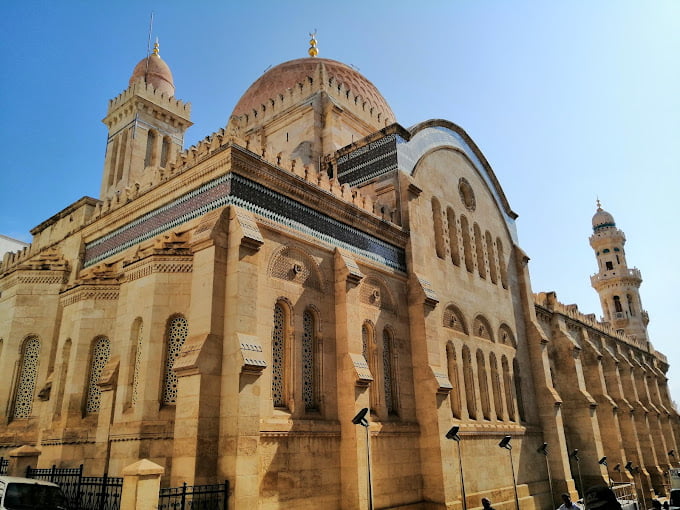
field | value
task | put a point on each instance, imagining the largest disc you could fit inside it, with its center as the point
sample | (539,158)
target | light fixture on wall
(360,419)
(617,468)
(543,449)
(453,435)
(505,443)
(603,462)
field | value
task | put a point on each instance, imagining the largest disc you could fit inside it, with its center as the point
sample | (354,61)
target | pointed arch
(452,318)
(374,291)
(518,389)
(479,249)
(483,385)
(503,265)
(150,154)
(506,337)
(311,360)
(509,388)
(491,256)
(438,228)
(467,244)
(481,328)
(176,332)
(135,360)
(496,385)
(390,389)
(452,366)
(293,264)
(99,357)
(453,236)
(165,151)
(369,352)
(27,377)
(281,329)
(470,398)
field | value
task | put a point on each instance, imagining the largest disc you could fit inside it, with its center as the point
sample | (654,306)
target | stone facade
(226,310)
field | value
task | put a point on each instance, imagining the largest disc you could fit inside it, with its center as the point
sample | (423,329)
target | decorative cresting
(506,337)
(177,331)
(309,389)
(293,264)
(452,318)
(278,355)
(481,329)
(138,364)
(23,401)
(375,292)
(101,351)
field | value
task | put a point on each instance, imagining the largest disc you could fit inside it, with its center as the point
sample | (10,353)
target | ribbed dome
(157,74)
(602,219)
(285,76)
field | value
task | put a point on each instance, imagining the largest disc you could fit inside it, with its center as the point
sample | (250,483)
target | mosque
(228,310)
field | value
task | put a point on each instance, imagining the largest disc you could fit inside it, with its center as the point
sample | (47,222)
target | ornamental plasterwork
(481,328)
(159,264)
(295,265)
(82,292)
(453,319)
(467,195)
(375,292)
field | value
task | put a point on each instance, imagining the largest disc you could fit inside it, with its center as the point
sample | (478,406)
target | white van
(27,493)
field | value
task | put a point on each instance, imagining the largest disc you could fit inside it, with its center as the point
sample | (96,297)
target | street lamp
(633,471)
(544,450)
(360,419)
(603,462)
(453,434)
(574,455)
(505,443)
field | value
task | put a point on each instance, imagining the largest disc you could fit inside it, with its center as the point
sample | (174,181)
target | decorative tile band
(371,160)
(234,189)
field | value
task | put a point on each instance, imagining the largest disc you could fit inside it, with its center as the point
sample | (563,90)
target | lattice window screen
(100,357)
(178,329)
(23,402)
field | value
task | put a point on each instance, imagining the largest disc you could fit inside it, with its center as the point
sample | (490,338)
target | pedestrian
(568,503)
(486,504)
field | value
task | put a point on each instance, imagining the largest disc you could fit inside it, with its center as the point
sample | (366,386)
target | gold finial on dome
(599,205)
(313,50)
(156,48)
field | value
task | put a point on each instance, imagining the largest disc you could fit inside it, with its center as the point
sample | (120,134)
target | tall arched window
(101,350)
(518,389)
(483,385)
(509,388)
(310,363)
(165,151)
(479,246)
(631,308)
(617,304)
(176,333)
(496,383)
(368,341)
(279,334)
(492,258)
(502,264)
(389,373)
(121,155)
(467,244)
(438,228)
(453,236)
(28,374)
(452,365)
(136,359)
(149,157)
(470,398)
(113,160)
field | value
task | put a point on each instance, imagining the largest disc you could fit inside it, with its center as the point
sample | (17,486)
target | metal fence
(196,497)
(4,463)
(83,492)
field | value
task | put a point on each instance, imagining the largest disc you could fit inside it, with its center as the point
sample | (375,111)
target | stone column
(22,458)
(141,485)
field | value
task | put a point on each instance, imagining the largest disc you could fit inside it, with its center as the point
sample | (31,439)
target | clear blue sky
(567,100)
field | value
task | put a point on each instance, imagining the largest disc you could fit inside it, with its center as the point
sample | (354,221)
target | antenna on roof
(148,47)
(268,68)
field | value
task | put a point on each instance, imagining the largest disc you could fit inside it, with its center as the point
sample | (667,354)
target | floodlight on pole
(633,470)
(544,450)
(574,455)
(505,443)
(603,462)
(453,435)
(360,419)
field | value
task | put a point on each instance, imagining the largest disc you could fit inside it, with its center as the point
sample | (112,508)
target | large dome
(279,79)
(155,72)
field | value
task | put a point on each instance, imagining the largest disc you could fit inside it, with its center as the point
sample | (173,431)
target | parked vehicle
(30,494)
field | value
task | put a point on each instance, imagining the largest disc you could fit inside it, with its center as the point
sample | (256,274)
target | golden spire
(313,50)
(156,48)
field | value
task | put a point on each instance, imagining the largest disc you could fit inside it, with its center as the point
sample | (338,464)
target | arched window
(136,359)
(279,354)
(631,308)
(518,389)
(470,398)
(438,228)
(121,155)
(368,346)
(176,333)
(452,366)
(467,244)
(28,374)
(453,236)
(165,151)
(509,388)
(479,246)
(483,385)
(101,350)
(113,160)
(502,264)
(617,304)
(310,363)
(492,258)
(389,373)
(149,157)
(496,383)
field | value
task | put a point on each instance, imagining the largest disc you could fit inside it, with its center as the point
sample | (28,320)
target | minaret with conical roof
(146,127)
(617,285)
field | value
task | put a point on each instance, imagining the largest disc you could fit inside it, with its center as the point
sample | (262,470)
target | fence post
(141,485)
(22,458)
(184,495)
(226,494)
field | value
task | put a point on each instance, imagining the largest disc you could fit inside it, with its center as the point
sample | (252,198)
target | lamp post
(574,455)
(360,419)
(603,462)
(544,450)
(617,468)
(453,434)
(633,471)
(505,443)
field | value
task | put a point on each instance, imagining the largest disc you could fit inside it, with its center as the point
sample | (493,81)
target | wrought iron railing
(196,497)
(83,492)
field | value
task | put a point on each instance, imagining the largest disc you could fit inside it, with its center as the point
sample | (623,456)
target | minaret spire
(313,50)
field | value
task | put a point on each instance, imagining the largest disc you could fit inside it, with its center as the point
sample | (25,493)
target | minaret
(146,127)
(617,285)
